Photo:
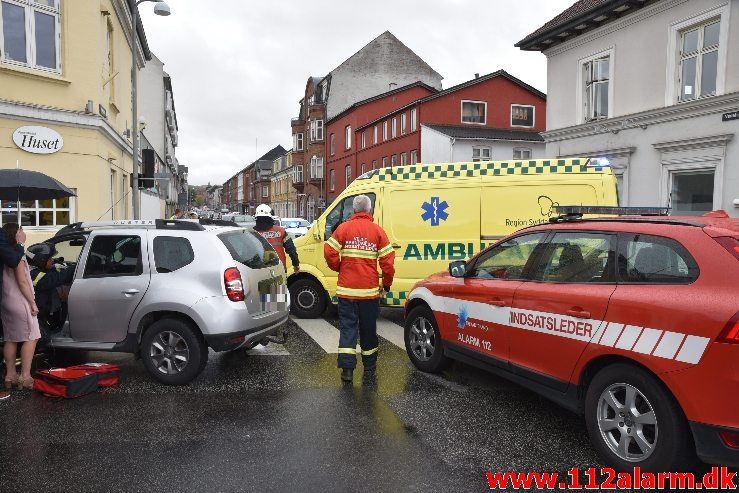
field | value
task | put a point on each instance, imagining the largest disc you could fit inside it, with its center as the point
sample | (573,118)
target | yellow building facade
(65,65)
(283,196)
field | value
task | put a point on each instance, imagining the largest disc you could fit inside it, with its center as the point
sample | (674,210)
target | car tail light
(731,244)
(234,285)
(730,438)
(730,333)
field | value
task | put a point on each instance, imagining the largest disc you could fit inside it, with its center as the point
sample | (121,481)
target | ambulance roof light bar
(573,212)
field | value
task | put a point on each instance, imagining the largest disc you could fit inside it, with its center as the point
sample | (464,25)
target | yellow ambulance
(437,213)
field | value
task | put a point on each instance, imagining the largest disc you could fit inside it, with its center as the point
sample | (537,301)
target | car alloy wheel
(627,422)
(169,352)
(422,339)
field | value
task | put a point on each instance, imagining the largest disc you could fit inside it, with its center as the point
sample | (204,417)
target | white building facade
(652,86)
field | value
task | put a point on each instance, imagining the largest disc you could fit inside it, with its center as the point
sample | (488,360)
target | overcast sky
(239,67)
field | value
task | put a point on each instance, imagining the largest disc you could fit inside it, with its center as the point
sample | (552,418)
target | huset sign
(38,140)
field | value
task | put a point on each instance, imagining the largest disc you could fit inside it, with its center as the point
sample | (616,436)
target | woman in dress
(18,310)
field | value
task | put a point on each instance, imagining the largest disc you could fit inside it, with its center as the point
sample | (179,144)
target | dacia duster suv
(167,291)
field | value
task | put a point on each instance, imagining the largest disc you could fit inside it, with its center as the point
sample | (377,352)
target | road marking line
(268,350)
(391,332)
(325,334)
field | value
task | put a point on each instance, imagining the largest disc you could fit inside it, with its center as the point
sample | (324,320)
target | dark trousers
(358,318)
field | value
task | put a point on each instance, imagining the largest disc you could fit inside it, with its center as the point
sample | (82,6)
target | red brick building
(496,116)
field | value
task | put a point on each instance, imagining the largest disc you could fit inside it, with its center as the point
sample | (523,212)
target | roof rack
(575,212)
(217,222)
(170,224)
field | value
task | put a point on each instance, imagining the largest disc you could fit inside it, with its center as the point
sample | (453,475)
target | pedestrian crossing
(327,336)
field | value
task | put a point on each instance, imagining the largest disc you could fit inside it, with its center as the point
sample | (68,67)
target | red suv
(632,321)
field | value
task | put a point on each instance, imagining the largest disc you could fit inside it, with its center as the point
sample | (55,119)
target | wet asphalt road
(274,421)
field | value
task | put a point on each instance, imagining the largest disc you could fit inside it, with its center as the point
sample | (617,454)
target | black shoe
(347,374)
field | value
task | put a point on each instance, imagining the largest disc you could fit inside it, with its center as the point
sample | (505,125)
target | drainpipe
(451,149)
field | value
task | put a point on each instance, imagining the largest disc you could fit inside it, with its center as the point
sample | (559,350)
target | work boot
(370,369)
(347,374)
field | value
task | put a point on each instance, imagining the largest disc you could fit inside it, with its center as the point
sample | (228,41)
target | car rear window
(654,260)
(250,249)
(172,253)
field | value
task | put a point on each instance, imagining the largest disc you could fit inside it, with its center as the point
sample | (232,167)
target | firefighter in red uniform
(276,236)
(354,250)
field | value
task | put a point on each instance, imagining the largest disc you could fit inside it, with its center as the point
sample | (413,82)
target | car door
(482,299)
(558,312)
(109,287)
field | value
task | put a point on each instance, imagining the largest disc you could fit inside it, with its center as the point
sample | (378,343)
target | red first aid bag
(109,375)
(65,382)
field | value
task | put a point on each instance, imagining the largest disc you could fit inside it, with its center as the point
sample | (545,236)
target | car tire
(623,440)
(423,340)
(173,352)
(308,299)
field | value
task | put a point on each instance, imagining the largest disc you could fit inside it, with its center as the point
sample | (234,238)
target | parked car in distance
(243,220)
(294,226)
(169,290)
(632,321)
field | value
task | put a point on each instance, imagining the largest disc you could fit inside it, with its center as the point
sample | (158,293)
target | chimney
(477,76)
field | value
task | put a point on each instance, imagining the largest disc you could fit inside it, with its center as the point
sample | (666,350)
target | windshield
(250,249)
(296,224)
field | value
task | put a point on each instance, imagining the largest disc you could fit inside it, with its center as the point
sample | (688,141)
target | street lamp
(161,8)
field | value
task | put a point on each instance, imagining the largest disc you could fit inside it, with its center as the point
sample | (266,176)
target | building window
(30,33)
(395,128)
(316,130)
(596,91)
(348,172)
(298,142)
(521,153)
(265,191)
(481,154)
(384,131)
(348,137)
(362,169)
(402,159)
(316,167)
(699,50)
(301,207)
(364,140)
(374,164)
(384,162)
(403,124)
(474,112)
(692,192)
(298,174)
(38,213)
(393,160)
(311,208)
(332,143)
(374,135)
(414,157)
(522,115)
(332,180)
(414,120)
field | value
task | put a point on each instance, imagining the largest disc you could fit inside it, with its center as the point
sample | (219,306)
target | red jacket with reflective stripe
(354,250)
(276,237)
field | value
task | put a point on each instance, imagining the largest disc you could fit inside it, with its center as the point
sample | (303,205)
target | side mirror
(458,268)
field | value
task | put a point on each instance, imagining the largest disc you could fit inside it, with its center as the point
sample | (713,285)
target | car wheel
(423,340)
(173,352)
(308,298)
(633,421)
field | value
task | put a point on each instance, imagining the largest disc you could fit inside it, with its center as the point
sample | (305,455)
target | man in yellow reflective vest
(354,251)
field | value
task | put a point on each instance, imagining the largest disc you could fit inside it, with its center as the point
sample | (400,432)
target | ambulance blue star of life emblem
(435,211)
(462,317)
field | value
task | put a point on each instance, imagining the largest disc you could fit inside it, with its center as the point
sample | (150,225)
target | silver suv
(166,291)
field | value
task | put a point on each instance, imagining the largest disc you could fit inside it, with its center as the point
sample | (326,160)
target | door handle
(497,302)
(130,292)
(396,246)
(578,313)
